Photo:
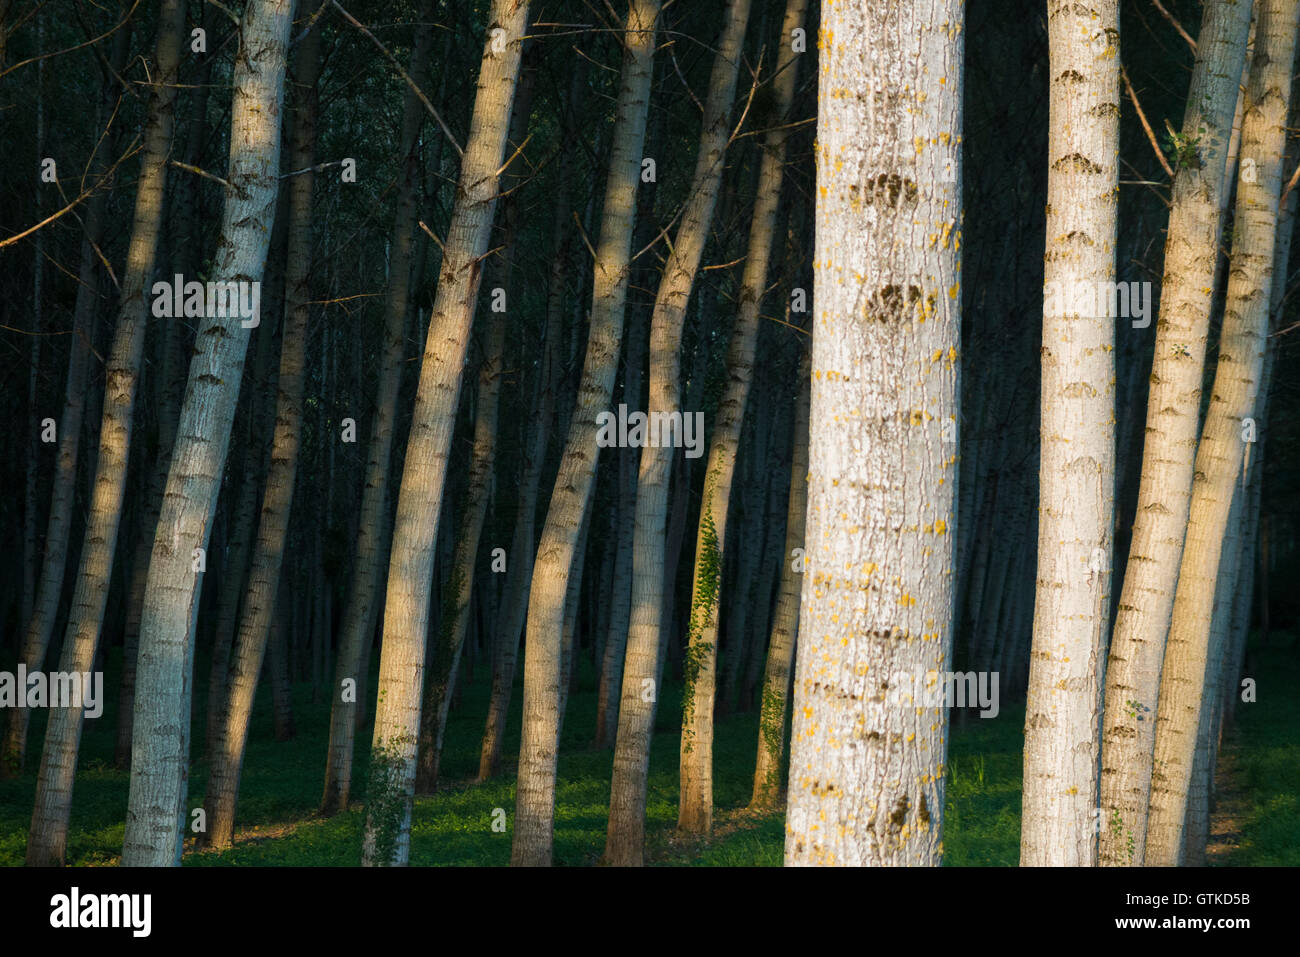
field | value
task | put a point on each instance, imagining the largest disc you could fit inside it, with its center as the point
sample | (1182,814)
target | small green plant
(1183,150)
(1136,709)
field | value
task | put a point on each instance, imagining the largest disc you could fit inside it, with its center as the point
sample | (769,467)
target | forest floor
(1256,820)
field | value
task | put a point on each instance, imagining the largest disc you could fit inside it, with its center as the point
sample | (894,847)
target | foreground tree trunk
(571,498)
(263,587)
(155,819)
(867,751)
(624,844)
(695,807)
(48,838)
(1173,411)
(1220,453)
(406,605)
(1077,463)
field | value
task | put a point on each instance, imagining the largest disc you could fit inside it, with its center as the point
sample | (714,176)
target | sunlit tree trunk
(867,751)
(264,575)
(406,604)
(155,820)
(1077,461)
(1173,411)
(695,808)
(571,497)
(626,835)
(357,623)
(1220,453)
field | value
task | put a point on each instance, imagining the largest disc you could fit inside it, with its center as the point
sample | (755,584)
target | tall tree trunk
(626,835)
(1077,460)
(264,575)
(866,785)
(695,809)
(454,616)
(48,838)
(1219,455)
(406,605)
(785,623)
(571,497)
(357,627)
(1173,412)
(155,820)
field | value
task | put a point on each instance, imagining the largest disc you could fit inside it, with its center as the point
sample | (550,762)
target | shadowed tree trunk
(48,838)
(695,808)
(264,575)
(785,623)
(571,498)
(357,626)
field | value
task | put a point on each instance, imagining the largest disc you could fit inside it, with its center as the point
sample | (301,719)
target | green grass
(282,785)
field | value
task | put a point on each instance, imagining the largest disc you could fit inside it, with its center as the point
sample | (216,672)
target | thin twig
(1155,144)
(202,172)
(430,234)
(1177,26)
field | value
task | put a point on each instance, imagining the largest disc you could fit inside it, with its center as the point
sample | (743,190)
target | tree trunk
(626,834)
(1173,411)
(48,838)
(866,780)
(1219,455)
(696,760)
(264,574)
(54,561)
(406,605)
(357,627)
(1077,459)
(780,651)
(571,497)
(155,818)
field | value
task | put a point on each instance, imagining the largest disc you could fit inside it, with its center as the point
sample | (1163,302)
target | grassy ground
(282,785)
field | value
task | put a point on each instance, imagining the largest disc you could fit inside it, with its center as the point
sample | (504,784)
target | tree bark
(406,604)
(1173,412)
(866,778)
(1219,455)
(155,820)
(626,834)
(357,627)
(1077,458)
(785,623)
(571,496)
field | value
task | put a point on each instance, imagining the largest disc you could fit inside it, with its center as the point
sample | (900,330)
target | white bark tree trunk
(1076,516)
(1220,453)
(1173,412)
(867,751)
(155,820)
(626,834)
(424,473)
(695,805)
(571,497)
